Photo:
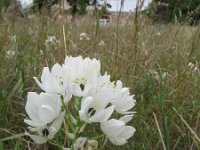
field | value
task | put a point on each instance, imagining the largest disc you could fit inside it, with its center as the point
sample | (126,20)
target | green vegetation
(184,11)
(150,59)
(5,3)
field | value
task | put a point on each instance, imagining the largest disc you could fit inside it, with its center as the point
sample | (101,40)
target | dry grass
(131,54)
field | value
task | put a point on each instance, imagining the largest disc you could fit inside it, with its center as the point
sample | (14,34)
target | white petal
(109,112)
(57,70)
(126,118)
(52,132)
(58,121)
(39,83)
(37,139)
(98,116)
(101,97)
(76,90)
(34,123)
(32,105)
(46,114)
(45,74)
(52,100)
(127,132)
(67,96)
(86,103)
(52,86)
(125,106)
(83,116)
(118,141)
(112,128)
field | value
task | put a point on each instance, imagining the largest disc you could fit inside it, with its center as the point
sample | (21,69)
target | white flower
(116,130)
(122,99)
(165,75)
(10,54)
(103,83)
(51,40)
(42,109)
(54,82)
(43,133)
(102,43)
(83,144)
(158,34)
(84,36)
(83,74)
(116,89)
(191,65)
(124,102)
(94,109)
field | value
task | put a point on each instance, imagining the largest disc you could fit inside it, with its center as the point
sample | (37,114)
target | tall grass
(138,54)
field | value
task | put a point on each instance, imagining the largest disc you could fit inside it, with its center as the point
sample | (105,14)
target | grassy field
(160,64)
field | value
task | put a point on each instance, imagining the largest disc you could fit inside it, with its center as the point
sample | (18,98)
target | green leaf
(1,145)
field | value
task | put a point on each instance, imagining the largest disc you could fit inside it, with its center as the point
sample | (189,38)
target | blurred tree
(184,11)
(5,4)
(39,4)
(77,6)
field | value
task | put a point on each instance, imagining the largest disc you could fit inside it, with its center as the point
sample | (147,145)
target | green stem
(104,143)
(67,115)
(97,137)
(54,144)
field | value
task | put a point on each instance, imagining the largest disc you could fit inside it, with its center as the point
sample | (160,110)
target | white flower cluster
(77,93)
(51,40)
(84,36)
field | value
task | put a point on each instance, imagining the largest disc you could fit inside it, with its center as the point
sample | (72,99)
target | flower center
(91,112)
(45,132)
(59,79)
(82,87)
(81,81)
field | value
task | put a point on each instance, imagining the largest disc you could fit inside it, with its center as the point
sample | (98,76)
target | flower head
(42,109)
(83,144)
(84,36)
(83,74)
(54,81)
(95,109)
(124,102)
(51,40)
(116,130)
(43,133)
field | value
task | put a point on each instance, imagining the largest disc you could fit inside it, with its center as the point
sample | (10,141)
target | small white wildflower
(84,36)
(158,34)
(51,40)
(102,43)
(191,65)
(165,75)
(10,54)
